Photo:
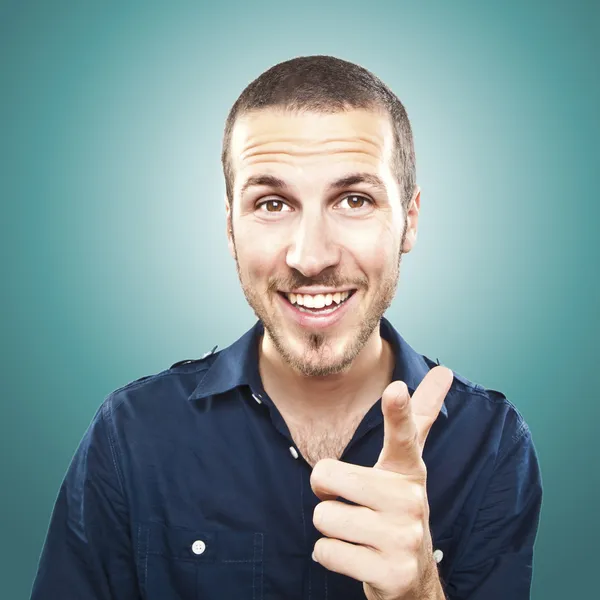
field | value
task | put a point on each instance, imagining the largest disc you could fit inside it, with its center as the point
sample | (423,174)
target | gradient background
(113,234)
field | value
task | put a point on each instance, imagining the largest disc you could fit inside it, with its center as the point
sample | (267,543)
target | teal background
(115,262)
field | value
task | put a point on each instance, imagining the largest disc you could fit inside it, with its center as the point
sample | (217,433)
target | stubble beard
(317,360)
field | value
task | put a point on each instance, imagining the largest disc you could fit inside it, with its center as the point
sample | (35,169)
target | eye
(356,201)
(273,206)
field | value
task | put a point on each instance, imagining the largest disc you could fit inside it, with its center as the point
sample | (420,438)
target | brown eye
(354,201)
(272,206)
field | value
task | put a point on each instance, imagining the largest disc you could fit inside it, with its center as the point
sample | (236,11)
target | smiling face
(317,216)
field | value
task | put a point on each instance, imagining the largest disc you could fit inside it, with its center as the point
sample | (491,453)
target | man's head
(321,198)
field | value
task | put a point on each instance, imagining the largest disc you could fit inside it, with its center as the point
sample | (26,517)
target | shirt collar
(237,365)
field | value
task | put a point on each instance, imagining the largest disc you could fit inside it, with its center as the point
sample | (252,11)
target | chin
(321,362)
(317,368)
(317,353)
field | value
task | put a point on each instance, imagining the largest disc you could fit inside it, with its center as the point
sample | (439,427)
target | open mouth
(317,304)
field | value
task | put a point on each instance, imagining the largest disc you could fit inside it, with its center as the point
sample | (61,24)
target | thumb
(400,452)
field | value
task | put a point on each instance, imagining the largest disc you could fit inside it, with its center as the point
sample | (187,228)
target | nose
(312,247)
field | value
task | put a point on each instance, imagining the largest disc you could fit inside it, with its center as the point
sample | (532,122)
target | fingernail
(313,556)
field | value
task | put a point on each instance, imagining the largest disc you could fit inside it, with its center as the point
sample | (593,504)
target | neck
(309,398)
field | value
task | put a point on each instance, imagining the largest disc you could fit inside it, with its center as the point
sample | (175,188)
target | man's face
(316,217)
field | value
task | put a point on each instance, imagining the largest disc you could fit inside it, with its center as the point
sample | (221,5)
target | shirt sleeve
(88,551)
(497,563)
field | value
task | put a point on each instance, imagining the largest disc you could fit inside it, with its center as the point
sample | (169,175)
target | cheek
(256,257)
(375,250)
(377,262)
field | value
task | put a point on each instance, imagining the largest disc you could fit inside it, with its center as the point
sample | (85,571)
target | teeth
(318,300)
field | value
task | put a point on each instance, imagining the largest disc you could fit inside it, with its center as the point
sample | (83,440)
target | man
(319,456)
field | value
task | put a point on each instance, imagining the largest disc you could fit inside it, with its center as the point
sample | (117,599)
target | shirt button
(438,555)
(198,547)
(293,452)
(257,398)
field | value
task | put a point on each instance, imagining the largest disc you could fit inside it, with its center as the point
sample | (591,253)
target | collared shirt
(188,485)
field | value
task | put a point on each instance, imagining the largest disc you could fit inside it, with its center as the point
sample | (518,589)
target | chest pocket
(190,564)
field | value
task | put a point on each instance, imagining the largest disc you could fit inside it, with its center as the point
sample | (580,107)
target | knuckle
(325,468)
(319,473)
(418,512)
(411,568)
(399,538)
(394,572)
(319,514)
(315,474)
(322,550)
(408,538)
(407,441)
(418,501)
(414,539)
(402,571)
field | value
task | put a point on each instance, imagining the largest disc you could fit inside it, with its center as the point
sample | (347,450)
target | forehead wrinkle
(290,158)
(314,147)
(280,137)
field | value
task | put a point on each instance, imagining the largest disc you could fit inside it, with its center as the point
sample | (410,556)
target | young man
(319,456)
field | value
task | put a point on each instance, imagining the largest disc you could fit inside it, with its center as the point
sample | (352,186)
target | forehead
(311,140)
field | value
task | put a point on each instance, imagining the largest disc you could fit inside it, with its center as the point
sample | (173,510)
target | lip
(313,291)
(317,321)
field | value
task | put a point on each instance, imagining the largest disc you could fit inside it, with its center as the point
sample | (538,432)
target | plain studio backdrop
(115,263)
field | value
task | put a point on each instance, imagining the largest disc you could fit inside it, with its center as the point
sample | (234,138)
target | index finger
(428,398)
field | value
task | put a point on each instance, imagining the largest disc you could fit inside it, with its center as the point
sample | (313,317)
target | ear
(412,221)
(228,228)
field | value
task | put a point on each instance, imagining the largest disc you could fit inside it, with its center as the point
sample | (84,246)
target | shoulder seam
(479,390)
(113,443)
(521,432)
(143,380)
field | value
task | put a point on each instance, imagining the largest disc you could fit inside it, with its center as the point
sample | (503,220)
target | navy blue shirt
(188,485)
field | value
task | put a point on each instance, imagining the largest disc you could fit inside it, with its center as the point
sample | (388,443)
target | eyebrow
(266,180)
(356,178)
(345,182)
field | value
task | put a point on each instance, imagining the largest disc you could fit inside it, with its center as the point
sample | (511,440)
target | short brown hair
(329,85)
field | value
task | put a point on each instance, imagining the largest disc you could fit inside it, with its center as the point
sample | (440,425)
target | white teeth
(318,300)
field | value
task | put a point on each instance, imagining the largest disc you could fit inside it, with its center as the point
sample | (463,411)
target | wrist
(430,587)
(433,584)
